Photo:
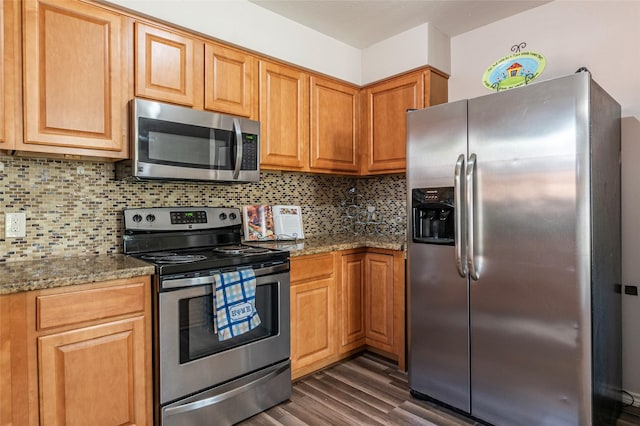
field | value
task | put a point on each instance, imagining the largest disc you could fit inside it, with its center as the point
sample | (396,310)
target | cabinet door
(313,326)
(75,72)
(334,139)
(230,81)
(168,66)
(386,104)
(351,299)
(10,99)
(87,376)
(284,117)
(379,301)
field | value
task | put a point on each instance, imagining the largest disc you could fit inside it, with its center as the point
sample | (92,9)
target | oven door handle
(196,281)
(196,405)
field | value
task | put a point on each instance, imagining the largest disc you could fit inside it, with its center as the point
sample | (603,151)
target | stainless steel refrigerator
(514,254)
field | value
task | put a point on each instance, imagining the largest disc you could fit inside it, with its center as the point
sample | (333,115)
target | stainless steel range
(201,379)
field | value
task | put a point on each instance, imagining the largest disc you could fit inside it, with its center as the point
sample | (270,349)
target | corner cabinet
(384,125)
(372,302)
(79,356)
(10,69)
(344,302)
(76,80)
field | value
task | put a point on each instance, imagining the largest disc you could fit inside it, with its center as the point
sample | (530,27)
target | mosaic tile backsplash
(75,207)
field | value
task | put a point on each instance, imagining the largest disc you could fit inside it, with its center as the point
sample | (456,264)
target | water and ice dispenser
(433,215)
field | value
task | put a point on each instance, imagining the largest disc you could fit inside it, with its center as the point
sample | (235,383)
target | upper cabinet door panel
(386,106)
(231,83)
(168,66)
(10,100)
(284,117)
(75,88)
(334,126)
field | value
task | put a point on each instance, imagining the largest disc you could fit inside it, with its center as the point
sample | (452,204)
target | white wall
(603,36)
(414,48)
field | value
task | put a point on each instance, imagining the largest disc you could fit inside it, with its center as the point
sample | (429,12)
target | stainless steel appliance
(170,142)
(514,254)
(199,379)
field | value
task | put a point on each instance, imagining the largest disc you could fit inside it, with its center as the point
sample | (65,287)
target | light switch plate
(15,225)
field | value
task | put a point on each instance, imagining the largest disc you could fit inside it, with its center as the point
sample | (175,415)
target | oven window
(197,337)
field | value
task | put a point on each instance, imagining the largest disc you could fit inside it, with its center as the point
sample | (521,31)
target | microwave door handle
(238,131)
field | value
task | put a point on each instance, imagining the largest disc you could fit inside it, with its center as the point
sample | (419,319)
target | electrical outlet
(15,225)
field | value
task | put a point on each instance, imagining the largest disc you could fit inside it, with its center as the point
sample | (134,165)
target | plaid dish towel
(235,303)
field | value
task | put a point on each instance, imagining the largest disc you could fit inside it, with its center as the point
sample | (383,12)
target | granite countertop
(335,242)
(59,272)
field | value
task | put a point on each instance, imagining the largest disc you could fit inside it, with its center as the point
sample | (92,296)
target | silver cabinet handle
(460,212)
(239,147)
(471,187)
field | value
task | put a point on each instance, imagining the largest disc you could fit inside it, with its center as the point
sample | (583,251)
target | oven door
(190,356)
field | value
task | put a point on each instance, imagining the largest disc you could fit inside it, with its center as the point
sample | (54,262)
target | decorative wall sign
(514,70)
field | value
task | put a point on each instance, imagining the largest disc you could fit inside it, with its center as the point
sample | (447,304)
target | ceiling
(362,23)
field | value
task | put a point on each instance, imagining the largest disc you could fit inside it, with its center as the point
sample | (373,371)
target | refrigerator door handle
(470,207)
(459,202)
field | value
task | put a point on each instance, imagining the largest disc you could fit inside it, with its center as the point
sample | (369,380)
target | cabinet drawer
(57,310)
(310,267)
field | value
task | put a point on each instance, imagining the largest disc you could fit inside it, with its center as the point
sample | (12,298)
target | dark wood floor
(365,390)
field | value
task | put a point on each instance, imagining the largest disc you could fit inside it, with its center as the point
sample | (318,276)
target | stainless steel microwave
(170,142)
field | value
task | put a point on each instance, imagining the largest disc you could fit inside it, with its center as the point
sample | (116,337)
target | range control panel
(180,218)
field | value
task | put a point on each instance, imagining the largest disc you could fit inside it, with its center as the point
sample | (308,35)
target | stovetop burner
(240,249)
(168,258)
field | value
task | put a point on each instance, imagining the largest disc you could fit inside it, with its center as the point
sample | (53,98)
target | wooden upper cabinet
(284,117)
(436,88)
(334,140)
(75,79)
(168,66)
(230,81)
(10,68)
(386,104)
(385,107)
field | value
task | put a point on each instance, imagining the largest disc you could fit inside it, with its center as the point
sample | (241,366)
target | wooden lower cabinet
(314,338)
(344,302)
(97,367)
(351,300)
(372,284)
(78,356)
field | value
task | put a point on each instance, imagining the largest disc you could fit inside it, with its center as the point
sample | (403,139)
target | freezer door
(437,294)
(530,304)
